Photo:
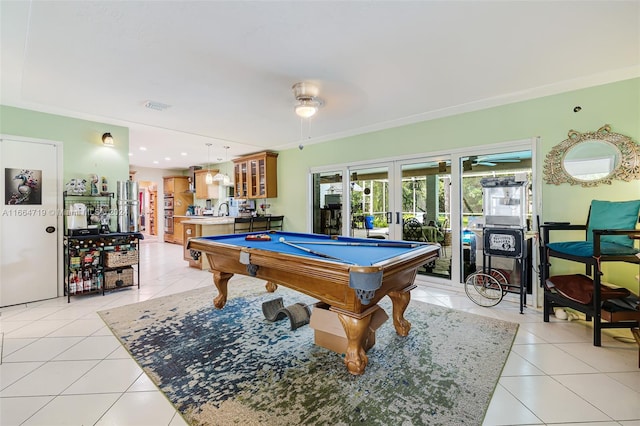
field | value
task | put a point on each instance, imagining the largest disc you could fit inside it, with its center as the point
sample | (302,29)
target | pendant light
(219,177)
(208,178)
(224,178)
(227,180)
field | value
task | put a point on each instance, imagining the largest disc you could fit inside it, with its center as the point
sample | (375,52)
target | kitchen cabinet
(189,230)
(204,191)
(256,176)
(176,200)
(173,185)
(178,237)
(193,228)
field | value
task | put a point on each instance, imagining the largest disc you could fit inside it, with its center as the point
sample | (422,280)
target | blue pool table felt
(358,255)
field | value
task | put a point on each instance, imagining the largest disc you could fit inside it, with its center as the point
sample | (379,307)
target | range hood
(192,179)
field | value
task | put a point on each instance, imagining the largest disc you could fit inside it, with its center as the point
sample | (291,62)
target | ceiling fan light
(308,102)
(306,109)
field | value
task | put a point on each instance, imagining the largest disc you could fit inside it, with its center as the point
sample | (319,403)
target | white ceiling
(226,67)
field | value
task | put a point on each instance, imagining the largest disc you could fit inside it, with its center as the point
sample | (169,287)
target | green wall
(83,152)
(550,118)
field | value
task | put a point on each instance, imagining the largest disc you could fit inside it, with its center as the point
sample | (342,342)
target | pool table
(349,274)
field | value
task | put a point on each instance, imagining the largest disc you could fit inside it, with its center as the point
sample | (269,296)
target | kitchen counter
(202,226)
(208,220)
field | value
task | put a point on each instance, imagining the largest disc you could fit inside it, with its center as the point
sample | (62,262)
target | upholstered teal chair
(611,236)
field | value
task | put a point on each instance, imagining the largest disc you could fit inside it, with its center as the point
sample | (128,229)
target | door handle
(50,229)
(389,217)
(397,218)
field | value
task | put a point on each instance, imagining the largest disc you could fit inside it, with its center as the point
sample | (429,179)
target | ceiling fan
(307,100)
(490,161)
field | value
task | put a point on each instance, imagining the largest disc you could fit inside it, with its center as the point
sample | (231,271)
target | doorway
(148,202)
(30,224)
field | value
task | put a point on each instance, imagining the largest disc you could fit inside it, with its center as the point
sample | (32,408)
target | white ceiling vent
(158,106)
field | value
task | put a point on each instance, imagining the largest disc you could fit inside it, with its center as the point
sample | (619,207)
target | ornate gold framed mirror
(593,158)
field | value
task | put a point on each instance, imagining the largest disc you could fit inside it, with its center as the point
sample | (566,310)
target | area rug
(232,366)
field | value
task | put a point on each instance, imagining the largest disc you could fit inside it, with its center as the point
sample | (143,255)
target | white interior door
(29,224)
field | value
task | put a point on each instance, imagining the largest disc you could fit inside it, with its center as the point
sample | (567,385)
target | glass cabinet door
(254,190)
(257,175)
(261,173)
(240,177)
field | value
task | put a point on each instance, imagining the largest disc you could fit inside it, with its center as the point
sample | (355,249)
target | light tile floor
(60,365)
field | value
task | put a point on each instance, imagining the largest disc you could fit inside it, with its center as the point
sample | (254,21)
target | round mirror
(591,160)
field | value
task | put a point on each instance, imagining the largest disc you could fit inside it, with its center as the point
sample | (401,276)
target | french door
(379,200)
(439,195)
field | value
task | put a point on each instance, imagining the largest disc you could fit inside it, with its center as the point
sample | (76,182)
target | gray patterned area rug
(232,366)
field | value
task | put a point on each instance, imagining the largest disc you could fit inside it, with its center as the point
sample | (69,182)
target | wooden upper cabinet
(168,186)
(256,176)
(175,185)
(204,191)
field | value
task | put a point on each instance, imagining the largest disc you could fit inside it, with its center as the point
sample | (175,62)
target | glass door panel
(369,202)
(425,206)
(327,202)
(514,165)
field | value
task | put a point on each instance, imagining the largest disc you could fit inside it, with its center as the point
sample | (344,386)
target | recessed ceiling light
(142,148)
(167,158)
(155,161)
(131,154)
(184,154)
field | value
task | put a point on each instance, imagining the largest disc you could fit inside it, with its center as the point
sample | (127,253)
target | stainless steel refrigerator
(128,206)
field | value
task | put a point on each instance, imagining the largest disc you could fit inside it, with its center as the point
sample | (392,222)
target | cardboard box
(330,334)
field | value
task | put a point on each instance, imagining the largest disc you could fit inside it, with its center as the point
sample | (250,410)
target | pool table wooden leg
(271,286)
(356,330)
(400,300)
(220,279)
